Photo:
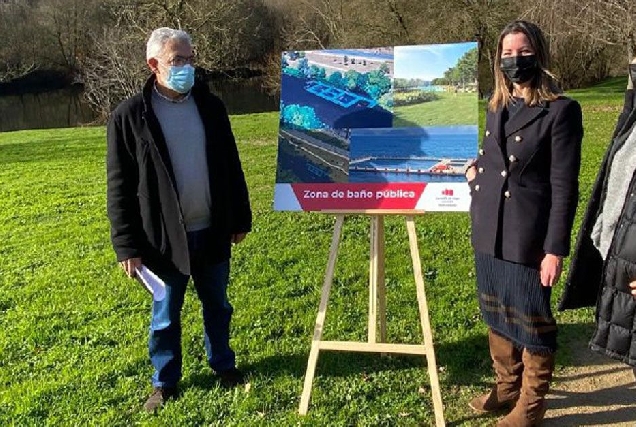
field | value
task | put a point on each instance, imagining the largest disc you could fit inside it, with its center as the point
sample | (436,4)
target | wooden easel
(377,307)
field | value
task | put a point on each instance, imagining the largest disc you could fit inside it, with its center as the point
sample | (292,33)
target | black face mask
(632,73)
(519,69)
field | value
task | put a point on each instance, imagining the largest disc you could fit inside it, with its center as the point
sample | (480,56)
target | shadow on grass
(460,363)
(332,364)
(623,415)
(616,395)
(596,403)
(204,380)
(465,363)
(573,348)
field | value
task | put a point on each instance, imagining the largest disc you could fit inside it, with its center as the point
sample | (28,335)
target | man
(177,200)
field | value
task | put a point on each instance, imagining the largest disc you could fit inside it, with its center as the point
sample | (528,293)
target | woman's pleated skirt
(514,304)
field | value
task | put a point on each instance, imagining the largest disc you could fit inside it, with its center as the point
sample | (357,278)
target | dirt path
(593,391)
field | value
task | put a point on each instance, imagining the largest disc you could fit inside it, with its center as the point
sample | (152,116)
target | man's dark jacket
(605,283)
(143,203)
(525,193)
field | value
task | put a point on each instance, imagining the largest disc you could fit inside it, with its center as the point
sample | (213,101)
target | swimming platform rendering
(338,96)
(450,167)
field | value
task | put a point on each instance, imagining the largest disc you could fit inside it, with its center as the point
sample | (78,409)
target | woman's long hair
(543,86)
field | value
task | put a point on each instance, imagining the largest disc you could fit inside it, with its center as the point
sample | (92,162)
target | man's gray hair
(160,37)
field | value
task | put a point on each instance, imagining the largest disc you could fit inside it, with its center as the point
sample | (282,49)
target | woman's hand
(633,286)
(551,268)
(471,173)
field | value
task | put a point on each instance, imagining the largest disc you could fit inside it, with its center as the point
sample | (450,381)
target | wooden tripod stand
(377,308)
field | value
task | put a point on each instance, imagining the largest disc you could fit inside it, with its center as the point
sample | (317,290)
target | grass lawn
(450,109)
(73,346)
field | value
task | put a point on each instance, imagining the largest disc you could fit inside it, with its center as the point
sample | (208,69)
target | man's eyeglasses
(180,61)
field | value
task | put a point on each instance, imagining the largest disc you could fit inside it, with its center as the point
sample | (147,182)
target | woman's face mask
(519,69)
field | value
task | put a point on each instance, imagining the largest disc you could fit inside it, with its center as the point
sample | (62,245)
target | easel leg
(377,291)
(425,321)
(320,319)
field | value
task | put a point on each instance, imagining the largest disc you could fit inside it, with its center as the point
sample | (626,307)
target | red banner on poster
(315,197)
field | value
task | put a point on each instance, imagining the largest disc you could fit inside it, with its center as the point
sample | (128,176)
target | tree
(68,27)
(585,36)
(18,51)
(317,73)
(303,67)
(303,117)
(336,79)
(465,71)
(611,22)
(377,84)
(115,71)
(227,34)
(354,80)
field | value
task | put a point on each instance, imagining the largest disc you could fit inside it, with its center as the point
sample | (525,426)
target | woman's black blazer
(525,194)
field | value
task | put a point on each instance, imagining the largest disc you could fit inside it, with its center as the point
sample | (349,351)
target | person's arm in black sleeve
(239,198)
(567,134)
(628,105)
(121,182)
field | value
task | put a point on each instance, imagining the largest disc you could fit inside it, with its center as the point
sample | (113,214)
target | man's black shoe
(159,396)
(231,378)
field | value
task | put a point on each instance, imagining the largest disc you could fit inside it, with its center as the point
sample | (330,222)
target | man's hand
(551,267)
(633,286)
(129,265)
(238,238)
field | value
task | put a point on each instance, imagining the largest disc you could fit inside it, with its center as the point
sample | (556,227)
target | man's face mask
(180,78)
(519,69)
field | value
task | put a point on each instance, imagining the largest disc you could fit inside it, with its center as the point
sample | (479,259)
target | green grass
(73,345)
(450,109)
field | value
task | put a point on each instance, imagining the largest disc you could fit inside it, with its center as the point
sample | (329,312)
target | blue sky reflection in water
(409,148)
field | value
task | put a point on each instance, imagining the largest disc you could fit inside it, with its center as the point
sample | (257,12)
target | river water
(66,108)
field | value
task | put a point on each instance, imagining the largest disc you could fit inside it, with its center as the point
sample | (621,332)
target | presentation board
(379,128)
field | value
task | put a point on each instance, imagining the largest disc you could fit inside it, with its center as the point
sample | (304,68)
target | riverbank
(60,105)
(36,82)
(75,329)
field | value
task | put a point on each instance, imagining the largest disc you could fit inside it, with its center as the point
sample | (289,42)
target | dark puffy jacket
(605,283)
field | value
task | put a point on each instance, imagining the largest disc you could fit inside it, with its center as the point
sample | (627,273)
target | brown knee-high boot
(531,406)
(507,362)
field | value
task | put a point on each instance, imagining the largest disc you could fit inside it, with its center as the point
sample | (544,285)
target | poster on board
(381,128)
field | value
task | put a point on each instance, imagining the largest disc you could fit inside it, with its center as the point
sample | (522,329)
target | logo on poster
(447,198)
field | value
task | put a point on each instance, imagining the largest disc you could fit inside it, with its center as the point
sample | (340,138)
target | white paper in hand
(152,282)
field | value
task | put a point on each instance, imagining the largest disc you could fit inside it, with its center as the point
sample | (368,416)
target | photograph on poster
(435,85)
(367,121)
(413,154)
(337,88)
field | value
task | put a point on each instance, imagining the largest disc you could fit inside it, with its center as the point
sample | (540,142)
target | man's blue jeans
(210,281)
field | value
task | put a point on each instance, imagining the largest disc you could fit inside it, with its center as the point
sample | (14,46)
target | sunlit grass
(73,346)
(450,109)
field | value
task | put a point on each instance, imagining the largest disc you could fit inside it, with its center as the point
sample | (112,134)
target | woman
(603,268)
(524,188)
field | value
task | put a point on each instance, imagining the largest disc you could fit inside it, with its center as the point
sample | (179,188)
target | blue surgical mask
(180,79)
